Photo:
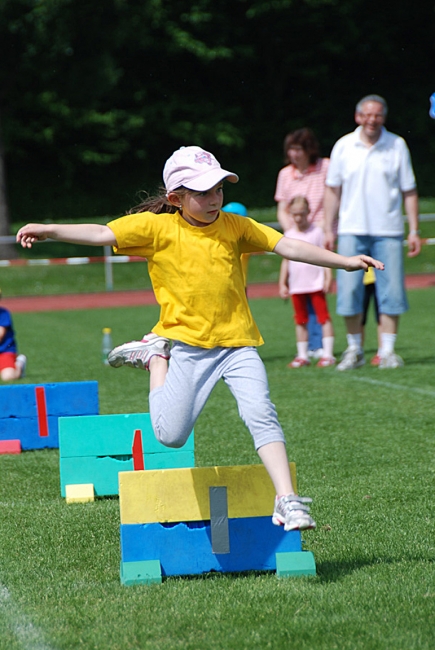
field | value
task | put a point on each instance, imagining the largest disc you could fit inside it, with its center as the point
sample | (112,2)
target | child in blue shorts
(12,364)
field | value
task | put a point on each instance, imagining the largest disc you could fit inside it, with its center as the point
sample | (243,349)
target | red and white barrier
(109,259)
(73,261)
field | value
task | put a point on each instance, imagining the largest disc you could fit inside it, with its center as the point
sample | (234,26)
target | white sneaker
(21,362)
(351,359)
(391,360)
(291,512)
(315,354)
(137,354)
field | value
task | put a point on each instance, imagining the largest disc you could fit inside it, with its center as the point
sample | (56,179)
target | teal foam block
(103,471)
(186,548)
(140,573)
(109,435)
(19,413)
(295,564)
(94,449)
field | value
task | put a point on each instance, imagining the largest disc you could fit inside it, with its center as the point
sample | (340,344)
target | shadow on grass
(218,575)
(420,361)
(326,572)
(334,571)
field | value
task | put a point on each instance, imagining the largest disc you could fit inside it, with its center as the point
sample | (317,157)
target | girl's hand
(363,262)
(27,235)
(283,291)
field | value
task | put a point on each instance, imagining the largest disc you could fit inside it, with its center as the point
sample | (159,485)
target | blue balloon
(236,208)
(432,106)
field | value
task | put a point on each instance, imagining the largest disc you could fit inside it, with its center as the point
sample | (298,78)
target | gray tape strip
(220,538)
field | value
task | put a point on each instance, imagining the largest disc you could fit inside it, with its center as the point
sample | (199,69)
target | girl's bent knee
(171,439)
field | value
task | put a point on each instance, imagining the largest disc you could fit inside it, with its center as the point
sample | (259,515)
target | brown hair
(307,140)
(158,202)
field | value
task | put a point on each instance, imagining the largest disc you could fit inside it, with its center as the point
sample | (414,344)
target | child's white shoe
(137,354)
(21,362)
(291,512)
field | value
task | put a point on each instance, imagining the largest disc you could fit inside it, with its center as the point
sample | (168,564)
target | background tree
(95,96)
(7,251)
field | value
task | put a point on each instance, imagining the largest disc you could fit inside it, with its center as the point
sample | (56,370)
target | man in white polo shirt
(369,176)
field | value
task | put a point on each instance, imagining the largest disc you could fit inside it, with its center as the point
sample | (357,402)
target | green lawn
(364,447)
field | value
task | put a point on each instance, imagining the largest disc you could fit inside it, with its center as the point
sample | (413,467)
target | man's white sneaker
(391,360)
(21,362)
(291,512)
(137,354)
(351,359)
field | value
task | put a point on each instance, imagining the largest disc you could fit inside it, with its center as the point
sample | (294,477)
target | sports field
(363,444)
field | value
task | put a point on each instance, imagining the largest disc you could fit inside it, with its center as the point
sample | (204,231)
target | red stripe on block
(10,446)
(41,410)
(138,462)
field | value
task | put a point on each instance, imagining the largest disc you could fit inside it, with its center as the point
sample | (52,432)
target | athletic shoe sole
(136,354)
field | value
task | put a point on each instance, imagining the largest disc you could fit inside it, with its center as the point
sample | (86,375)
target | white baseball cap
(195,169)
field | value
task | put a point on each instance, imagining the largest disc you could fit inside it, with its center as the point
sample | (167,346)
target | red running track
(136,298)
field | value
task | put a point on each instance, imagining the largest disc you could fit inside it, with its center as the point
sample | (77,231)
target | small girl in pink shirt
(300,281)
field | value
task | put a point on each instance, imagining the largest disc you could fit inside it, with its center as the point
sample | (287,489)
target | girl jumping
(205,328)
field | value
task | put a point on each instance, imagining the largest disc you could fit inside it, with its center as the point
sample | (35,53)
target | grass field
(364,447)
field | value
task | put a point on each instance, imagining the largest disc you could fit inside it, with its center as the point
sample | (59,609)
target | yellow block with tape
(169,495)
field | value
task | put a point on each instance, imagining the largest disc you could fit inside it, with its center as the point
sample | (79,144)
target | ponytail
(158,203)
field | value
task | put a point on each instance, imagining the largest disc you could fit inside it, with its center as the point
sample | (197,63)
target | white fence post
(108,268)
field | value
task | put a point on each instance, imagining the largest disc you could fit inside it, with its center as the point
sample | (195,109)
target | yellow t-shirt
(196,274)
(245,264)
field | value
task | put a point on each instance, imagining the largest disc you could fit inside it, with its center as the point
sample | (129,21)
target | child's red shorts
(320,306)
(7,360)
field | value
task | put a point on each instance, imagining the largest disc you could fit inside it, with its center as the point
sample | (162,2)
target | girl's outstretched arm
(92,234)
(300,251)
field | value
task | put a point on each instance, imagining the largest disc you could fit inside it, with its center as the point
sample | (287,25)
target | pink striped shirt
(310,183)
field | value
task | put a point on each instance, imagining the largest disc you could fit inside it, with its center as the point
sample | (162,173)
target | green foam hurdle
(144,572)
(299,563)
(95,448)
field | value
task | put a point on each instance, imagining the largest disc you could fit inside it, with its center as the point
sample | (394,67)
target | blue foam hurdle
(19,417)
(185,548)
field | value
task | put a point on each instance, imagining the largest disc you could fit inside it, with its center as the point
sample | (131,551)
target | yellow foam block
(80,493)
(168,495)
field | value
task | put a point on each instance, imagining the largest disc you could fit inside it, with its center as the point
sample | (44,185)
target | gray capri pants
(193,372)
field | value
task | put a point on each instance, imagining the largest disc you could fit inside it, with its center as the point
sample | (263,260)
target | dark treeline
(96,95)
